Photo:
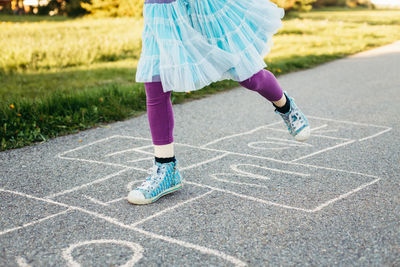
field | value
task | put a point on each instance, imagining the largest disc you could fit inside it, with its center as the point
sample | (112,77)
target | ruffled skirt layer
(188,44)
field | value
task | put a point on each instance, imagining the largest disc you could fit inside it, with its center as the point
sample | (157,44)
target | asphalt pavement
(253,196)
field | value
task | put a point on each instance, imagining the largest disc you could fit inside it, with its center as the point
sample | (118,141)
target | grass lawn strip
(42,97)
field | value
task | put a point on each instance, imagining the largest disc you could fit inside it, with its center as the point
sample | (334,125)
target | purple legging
(159,106)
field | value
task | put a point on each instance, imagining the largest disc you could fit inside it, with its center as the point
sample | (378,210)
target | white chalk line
(387,129)
(332,169)
(347,122)
(22,262)
(141,159)
(96,201)
(61,155)
(324,150)
(89,144)
(246,155)
(360,124)
(171,208)
(118,173)
(345,195)
(129,187)
(330,137)
(270,203)
(106,204)
(199,248)
(217,140)
(136,249)
(236,169)
(284,143)
(34,222)
(282,171)
(34,197)
(215,176)
(205,162)
(144,152)
(255,199)
(314,134)
(329,131)
(319,127)
(303,157)
(250,156)
(375,135)
(186,145)
(234,153)
(254,145)
(249,132)
(97,162)
(134,149)
(87,184)
(287,141)
(248,197)
(267,158)
(239,134)
(276,160)
(133,137)
(116,200)
(204,250)
(249,174)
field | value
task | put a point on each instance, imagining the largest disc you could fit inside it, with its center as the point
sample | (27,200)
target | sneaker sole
(154,199)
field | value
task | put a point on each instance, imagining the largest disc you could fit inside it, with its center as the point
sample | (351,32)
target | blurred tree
(6,6)
(19,7)
(74,8)
(133,8)
(71,8)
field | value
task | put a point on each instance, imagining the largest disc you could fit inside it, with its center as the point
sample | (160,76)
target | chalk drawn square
(74,238)
(51,176)
(115,150)
(274,141)
(108,197)
(188,157)
(17,211)
(286,185)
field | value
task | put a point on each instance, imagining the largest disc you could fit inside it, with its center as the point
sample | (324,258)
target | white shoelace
(156,175)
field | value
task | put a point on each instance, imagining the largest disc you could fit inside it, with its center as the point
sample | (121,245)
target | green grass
(31,18)
(54,44)
(64,75)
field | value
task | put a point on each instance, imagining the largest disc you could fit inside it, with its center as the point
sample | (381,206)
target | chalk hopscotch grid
(137,250)
(225,153)
(114,221)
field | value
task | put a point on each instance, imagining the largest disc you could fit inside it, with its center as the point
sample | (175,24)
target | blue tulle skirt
(188,44)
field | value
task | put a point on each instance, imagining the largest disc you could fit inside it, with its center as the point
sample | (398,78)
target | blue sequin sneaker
(296,122)
(164,178)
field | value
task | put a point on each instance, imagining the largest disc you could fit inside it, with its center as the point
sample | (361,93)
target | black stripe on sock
(285,109)
(165,160)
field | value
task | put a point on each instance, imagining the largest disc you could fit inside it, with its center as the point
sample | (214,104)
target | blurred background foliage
(133,8)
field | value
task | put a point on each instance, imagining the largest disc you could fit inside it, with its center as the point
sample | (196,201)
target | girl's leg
(165,178)
(161,119)
(265,83)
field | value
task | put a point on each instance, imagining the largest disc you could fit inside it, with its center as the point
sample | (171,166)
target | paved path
(253,196)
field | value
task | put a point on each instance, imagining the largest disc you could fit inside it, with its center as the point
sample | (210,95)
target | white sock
(164,151)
